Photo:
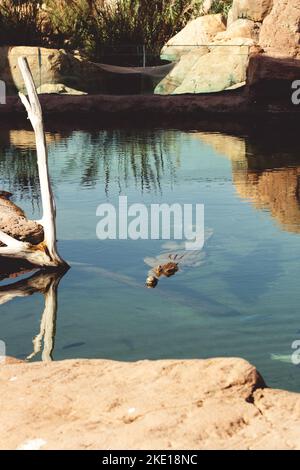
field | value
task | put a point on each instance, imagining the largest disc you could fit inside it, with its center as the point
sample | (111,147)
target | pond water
(241,300)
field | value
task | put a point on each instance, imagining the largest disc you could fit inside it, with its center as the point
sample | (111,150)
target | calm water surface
(242,300)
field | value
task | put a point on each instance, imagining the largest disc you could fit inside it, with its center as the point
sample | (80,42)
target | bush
(221,6)
(20,23)
(142,22)
(97,27)
(70,23)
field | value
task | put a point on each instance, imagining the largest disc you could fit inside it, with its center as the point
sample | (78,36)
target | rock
(175,78)
(219,66)
(175,404)
(200,31)
(255,10)
(240,28)
(14,222)
(219,70)
(231,17)
(9,360)
(53,66)
(59,89)
(270,78)
(280,31)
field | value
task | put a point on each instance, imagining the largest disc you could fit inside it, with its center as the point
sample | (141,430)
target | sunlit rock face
(223,68)
(267,180)
(50,66)
(241,28)
(270,74)
(280,31)
(254,10)
(198,32)
(219,61)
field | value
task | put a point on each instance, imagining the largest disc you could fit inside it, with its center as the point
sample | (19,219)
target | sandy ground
(100,404)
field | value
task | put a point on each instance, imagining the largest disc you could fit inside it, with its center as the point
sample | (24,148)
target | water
(242,300)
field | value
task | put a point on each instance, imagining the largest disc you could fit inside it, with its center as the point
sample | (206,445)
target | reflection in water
(270,179)
(19,173)
(145,157)
(276,190)
(18,164)
(45,283)
(267,177)
(231,304)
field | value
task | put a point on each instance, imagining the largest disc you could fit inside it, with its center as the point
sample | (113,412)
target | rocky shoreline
(168,404)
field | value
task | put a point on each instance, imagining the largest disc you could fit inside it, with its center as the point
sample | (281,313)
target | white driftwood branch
(34,110)
(10,242)
(44,254)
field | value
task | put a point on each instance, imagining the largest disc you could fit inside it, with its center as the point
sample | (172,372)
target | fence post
(2,92)
(144,55)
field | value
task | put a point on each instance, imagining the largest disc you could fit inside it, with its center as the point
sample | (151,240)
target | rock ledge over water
(174,404)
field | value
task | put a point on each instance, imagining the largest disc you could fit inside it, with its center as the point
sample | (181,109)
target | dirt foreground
(101,404)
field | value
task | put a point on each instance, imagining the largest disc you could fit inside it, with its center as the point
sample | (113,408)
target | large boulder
(198,32)
(280,31)
(255,10)
(270,78)
(223,68)
(53,66)
(219,61)
(178,74)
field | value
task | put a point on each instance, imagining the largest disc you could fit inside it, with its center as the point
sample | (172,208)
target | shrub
(98,27)
(20,23)
(221,6)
